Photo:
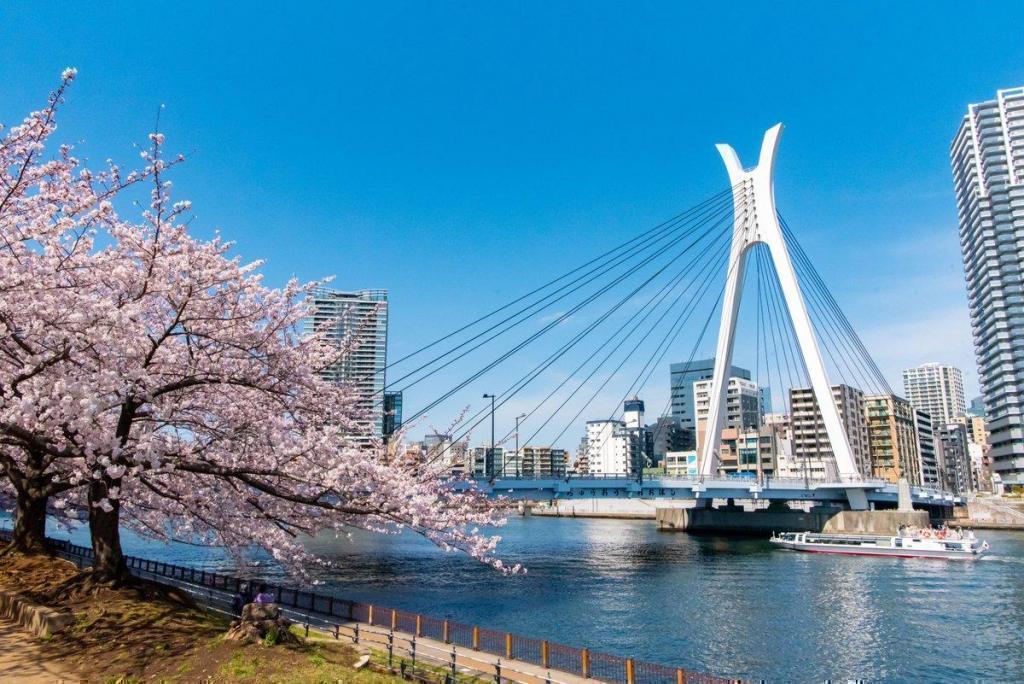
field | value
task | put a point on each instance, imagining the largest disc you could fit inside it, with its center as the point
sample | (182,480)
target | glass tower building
(988,174)
(360,320)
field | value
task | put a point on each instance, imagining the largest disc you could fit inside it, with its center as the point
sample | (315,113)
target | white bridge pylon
(755,220)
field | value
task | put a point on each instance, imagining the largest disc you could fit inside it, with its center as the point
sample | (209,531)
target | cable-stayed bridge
(603,329)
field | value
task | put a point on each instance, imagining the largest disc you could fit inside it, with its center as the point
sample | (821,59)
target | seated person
(264,596)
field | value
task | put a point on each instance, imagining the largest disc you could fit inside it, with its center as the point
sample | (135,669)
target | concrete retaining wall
(875,522)
(40,620)
(629,509)
(780,518)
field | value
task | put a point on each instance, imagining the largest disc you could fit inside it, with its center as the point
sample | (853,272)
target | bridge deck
(667,487)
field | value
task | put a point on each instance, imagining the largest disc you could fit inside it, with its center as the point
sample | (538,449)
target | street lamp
(489,464)
(518,458)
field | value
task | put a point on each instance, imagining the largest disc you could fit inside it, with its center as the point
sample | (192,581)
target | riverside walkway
(22,659)
(435,649)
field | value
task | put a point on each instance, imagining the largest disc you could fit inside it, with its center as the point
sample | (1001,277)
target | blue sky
(459,154)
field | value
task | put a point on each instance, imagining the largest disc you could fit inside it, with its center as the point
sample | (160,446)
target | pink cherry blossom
(151,380)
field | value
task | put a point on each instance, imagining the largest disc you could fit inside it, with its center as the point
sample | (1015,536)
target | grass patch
(148,634)
(241,666)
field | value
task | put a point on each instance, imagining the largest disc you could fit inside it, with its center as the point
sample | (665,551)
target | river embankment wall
(780,518)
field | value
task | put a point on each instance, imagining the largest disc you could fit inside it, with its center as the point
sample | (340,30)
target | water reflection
(722,605)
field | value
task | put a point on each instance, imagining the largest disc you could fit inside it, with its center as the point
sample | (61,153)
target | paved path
(437,654)
(22,658)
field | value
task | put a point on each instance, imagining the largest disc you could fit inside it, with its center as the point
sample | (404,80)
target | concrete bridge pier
(779,517)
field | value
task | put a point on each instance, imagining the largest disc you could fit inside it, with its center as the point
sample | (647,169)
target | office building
(976,407)
(542,461)
(619,446)
(937,389)
(811,447)
(682,463)
(581,464)
(683,375)
(439,450)
(892,438)
(750,451)
(987,156)
(667,435)
(927,449)
(955,458)
(977,433)
(484,466)
(357,323)
(742,406)
(392,419)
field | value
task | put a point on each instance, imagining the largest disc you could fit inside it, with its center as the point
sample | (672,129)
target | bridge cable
(660,226)
(686,308)
(517,386)
(560,318)
(647,240)
(836,309)
(693,352)
(830,333)
(673,283)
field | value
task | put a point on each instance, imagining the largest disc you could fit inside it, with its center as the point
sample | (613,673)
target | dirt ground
(147,633)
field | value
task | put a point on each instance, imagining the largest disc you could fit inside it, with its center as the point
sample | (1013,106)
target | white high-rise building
(607,447)
(742,406)
(937,389)
(360,321)
(988,175)
(811,447)
(619,446)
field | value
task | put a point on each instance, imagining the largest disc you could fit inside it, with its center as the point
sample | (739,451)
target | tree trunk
(30,523)
(108,564)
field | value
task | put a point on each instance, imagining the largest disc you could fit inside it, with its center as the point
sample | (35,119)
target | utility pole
(518,458)
(489,462)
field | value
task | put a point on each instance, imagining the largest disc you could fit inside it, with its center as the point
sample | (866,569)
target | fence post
(630,674)
(680,676)
(394,619)
(370,620)
(419,625)
(544,653)
(497,671)
(476,638)
(444,633)
(585,662)
(508,646)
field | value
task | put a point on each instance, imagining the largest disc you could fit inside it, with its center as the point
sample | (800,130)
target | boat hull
(881,551)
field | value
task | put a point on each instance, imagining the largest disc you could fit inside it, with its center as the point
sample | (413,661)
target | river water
(725,606)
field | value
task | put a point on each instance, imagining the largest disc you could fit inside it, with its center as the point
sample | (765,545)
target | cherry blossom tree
(48,213)
(162,386)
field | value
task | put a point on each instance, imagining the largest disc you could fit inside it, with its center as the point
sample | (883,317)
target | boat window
(899,543)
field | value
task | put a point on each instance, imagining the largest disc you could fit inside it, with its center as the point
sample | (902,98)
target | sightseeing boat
(921,544)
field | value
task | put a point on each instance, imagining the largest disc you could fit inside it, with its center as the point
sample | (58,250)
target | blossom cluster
(150,375)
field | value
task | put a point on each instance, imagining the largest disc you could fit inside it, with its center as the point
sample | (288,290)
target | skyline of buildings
(987,157)
(919,436)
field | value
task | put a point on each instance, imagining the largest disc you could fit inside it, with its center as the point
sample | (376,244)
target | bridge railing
(730,479)
(336,615)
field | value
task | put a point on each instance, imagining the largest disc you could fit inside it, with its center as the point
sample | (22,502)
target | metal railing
(340,617)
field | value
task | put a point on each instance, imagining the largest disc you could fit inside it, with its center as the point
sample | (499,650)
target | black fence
(330,612)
